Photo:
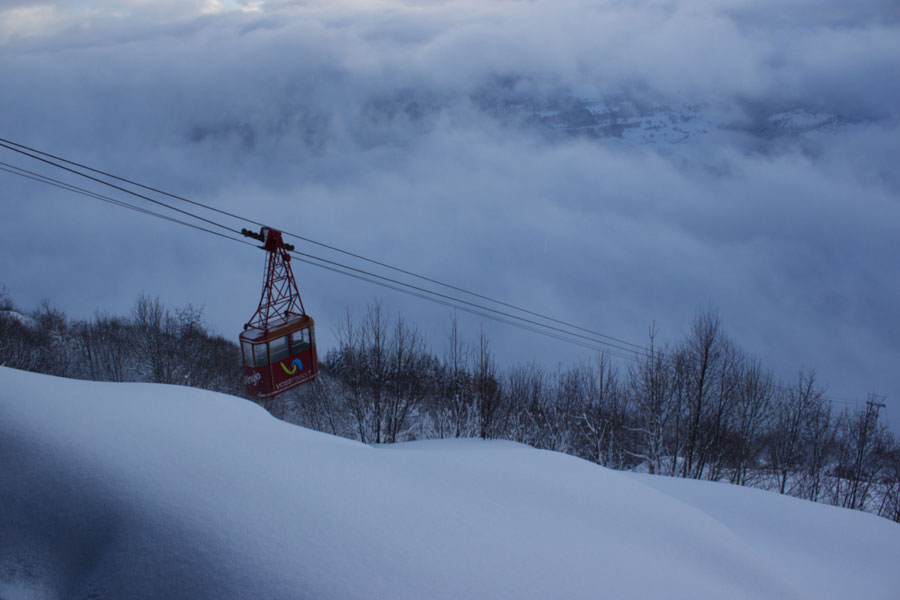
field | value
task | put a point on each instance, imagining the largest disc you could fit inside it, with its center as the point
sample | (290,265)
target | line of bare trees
(155,344)
(698,408)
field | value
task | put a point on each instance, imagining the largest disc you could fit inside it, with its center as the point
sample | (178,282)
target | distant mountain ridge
(639,118)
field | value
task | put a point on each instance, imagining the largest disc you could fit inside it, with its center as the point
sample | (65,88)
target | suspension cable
(9,143)
(8,168)
(626,353)
(116,187)
(360,274)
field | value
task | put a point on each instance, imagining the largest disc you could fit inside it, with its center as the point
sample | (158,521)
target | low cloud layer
(609,163)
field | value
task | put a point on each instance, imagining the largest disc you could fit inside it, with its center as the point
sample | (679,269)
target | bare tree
(791,411)
(107,349)
(526,392)
(319,405)
(6,303)
(720,426)
(155,333)
(558,409)
(486,388)
(818,441)
(651,382)
(602,412)
(704,352)
(20,344)
(754,395)
(890,500)
(863,453)
(348,365)
(456,393)
(410,374)
(376,367)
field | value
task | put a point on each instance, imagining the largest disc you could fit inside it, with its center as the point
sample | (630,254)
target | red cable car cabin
(278,344)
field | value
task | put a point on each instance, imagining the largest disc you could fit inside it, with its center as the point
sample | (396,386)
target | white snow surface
(148,491)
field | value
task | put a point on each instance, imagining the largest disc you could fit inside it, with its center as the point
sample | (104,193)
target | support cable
(485,312)
(461,301)
(77,190)
(360,274)
(116,187)
(628,352)
(9,143)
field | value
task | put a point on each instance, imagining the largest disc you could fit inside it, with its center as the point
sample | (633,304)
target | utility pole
(874,404)
(860,480)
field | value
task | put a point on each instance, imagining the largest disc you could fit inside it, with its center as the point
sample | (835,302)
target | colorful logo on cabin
(295,364)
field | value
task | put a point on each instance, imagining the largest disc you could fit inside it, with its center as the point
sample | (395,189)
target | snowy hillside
(140,491)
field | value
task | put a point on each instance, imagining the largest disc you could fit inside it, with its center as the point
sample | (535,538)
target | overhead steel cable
(463,308)
(116,187)
(382,264)
(461,301)
(4,141)
(630,346)
(630,354)
(77,190)
(373,278)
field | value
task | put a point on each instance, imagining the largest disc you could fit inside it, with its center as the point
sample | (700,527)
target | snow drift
(147,491)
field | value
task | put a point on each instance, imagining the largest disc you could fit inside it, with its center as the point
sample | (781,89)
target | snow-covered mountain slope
(633,118)
(654,120)
(821,545)
(140,491)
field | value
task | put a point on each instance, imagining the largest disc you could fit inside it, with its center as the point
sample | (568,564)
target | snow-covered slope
(833,552)
(140,491)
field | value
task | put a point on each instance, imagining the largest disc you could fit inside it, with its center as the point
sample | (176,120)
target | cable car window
(247,351)
(300,341)
(278,349)
(261,354)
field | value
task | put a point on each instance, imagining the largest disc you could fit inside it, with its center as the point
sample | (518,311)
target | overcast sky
(444,137)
